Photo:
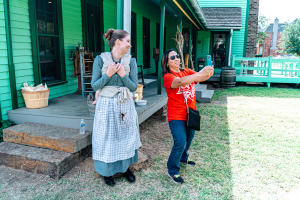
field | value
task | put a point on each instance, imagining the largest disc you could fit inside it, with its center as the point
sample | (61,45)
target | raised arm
(131,80)
(200,76)
(98,80)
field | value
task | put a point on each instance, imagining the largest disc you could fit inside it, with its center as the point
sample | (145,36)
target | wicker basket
(36,99)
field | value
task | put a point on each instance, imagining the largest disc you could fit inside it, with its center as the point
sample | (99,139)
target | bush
(4,124)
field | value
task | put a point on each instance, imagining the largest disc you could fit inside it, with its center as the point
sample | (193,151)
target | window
(46,31)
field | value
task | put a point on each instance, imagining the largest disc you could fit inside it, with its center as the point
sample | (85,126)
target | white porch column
(127,16)
(230,44)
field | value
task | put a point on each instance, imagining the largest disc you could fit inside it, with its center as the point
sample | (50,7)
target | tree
(261,26)
(291,38)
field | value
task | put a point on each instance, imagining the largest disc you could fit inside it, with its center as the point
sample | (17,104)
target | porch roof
(223,17)
(188,8)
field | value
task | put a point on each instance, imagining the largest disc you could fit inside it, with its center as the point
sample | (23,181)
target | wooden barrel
(228,77)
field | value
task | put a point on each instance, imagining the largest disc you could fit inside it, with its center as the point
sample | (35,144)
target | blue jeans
(182,136)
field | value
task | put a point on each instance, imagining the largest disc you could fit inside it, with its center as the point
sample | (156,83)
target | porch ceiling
(187,8)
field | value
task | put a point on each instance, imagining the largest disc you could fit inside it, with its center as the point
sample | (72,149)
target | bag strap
(185,100)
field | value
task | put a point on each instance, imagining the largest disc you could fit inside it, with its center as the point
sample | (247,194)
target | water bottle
(82,127)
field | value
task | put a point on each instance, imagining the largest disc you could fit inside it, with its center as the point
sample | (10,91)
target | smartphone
(208,58)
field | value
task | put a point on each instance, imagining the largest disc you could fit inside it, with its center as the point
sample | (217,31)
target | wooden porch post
(230,44)
(161,45)
(119,14)
(127,16)
(190,43)
(269,71)
(10,58)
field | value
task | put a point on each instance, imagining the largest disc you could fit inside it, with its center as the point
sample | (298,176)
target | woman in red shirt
(179,82)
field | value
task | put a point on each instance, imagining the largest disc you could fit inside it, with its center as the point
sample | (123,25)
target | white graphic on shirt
(188,90)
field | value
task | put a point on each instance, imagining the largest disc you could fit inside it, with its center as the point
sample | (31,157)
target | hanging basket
(36,99)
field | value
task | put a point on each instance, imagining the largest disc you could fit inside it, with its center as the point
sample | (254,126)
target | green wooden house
(37,37)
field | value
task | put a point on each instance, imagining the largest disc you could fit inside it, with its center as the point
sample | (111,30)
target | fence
(268,70)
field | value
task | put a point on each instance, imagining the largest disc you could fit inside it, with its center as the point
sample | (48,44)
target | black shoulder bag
(193,116)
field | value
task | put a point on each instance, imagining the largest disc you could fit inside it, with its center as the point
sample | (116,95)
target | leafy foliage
(291,38)
(262,25)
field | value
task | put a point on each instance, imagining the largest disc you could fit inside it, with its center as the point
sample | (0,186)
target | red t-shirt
(176,105)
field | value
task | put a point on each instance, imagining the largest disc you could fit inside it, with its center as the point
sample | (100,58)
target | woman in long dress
(115,140)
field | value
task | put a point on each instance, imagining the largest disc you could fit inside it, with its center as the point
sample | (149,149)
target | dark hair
(164,61)
(111,35)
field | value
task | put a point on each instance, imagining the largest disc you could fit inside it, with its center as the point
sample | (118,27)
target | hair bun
(108,34)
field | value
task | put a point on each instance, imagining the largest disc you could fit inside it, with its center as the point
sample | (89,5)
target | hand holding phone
(208,57)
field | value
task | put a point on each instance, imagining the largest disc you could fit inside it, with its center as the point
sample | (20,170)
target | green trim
(61,41)
(190,43)
(0,114)
(193,14)
(246,28)
(50,84)
(35,44)
(161,45)
(119,14)
(11,66)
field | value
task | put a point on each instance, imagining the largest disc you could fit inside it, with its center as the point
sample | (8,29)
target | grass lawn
(248,148)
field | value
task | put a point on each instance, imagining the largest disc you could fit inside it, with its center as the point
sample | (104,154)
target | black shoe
(109,180)
(191,163)
(176,178)
(129,176)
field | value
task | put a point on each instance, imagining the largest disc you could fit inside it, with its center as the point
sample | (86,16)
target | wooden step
(47,136)
(206,96)
(39,160)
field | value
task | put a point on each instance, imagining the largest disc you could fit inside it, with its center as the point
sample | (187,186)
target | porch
(68,110)
(267,70)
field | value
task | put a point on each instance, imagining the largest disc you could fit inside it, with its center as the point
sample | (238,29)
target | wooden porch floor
(67,111)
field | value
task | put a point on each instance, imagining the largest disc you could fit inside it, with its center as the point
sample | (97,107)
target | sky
(284,10)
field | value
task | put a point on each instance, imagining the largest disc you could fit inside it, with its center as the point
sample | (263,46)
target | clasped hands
(208,70)
(115,68)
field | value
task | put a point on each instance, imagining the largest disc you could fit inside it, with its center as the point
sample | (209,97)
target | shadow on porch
(67,111)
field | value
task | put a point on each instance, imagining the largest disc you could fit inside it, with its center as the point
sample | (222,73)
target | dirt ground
(18,184)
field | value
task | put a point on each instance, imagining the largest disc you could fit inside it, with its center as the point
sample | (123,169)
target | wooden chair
(141,73)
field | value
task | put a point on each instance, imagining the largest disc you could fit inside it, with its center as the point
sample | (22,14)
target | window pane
(49,70)
(46,24)
(48,38)
(48,46)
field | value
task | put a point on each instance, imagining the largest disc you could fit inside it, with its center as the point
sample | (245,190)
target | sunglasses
(174,57)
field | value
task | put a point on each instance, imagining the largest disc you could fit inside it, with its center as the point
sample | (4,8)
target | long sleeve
(131,80)
(98,80)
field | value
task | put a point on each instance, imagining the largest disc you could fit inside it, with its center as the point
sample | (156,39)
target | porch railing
(268,70)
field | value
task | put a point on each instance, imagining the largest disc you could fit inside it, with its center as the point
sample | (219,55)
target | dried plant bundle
(191,58)
(179,45)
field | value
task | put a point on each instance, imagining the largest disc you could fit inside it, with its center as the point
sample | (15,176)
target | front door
(219,48)
(92,24)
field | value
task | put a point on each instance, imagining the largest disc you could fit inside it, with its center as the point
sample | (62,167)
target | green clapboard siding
(152,12)
(72,33)
(238,35)
(203,44)
(22,52)
(109,17)
(5,96)
(21,44)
